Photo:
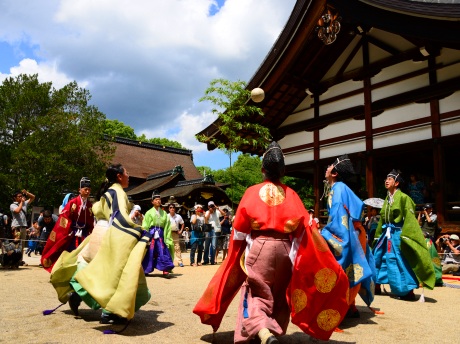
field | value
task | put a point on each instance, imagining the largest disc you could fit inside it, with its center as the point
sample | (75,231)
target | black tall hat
(273,161)
(85,182)
(155,194)
(343,166)
(396,175)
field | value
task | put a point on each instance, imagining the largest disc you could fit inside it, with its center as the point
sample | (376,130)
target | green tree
(161,141)
(304,189)
(230,100)
(49,139)
(115,128)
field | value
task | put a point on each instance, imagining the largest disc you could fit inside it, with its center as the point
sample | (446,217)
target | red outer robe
(319,288)
(62,234)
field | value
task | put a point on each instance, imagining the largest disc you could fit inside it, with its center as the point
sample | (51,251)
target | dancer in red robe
(75,223)
(283,268)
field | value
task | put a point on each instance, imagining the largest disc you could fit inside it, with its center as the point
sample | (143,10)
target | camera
(443,240)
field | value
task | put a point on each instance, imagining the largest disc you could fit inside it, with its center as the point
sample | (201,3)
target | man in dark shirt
(45,224)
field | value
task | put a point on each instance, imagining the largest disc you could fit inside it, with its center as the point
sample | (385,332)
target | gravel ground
(168,317)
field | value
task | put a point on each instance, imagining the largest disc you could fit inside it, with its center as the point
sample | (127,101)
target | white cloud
(144,62)
(46,72)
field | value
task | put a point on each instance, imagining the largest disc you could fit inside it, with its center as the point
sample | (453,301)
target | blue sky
(145,62)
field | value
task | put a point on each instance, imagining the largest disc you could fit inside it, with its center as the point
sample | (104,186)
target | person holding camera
(197,235)
(449,245)
(428,221)
(212,217)
(226,225)
(19,214)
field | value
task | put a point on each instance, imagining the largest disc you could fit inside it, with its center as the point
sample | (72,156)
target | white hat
(198,206)
(210,203)
(454,237)
(137,207)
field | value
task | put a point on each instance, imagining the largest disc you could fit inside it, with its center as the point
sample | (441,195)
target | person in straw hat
(286,272)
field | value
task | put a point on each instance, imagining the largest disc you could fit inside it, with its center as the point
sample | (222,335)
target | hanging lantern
(328,25)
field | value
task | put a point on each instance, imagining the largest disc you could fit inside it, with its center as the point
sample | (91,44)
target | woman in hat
(345,234)
(286,272)
(401,255)
(136,215)
(157,222)
(197,238)
(75,223)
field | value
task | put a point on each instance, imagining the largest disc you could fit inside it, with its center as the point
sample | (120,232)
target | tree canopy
(230,100)
(49,139)
(247,171)
(116,128)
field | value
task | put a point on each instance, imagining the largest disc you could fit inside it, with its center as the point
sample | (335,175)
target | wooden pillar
(367,90)
(318,178)
(438,152)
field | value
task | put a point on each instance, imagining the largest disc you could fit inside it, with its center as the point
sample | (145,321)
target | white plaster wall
(346,127)
(448,72)
(450,127)
(401,114)
(400,87)
(398,70)
(305,104)
(338,149)
(402,137)
(296,139)
(341,104)
(299,116)
(448,56)
(355,63)
(450,103)
(340,89)
(294,158)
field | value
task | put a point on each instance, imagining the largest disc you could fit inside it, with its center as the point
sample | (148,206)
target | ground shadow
(143,323)
(157,275)
(293,338)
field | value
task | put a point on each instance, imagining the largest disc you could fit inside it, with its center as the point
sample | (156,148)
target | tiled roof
(143,159)
(446,10)
(152,184)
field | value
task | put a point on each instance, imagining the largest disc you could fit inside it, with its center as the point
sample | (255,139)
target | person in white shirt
(211,217)
(177,227)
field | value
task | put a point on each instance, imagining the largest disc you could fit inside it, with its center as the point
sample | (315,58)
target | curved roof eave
(439,11)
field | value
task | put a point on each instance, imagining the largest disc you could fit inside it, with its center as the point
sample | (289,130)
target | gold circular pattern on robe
(436,261)
(272,194)
(354,272)
(347,295)
(319,241)
(328,319)
(254,225)
(291,225)
(299,299)
(325,280)
(46,263)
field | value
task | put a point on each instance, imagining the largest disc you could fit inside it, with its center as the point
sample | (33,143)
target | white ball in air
(257,95)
